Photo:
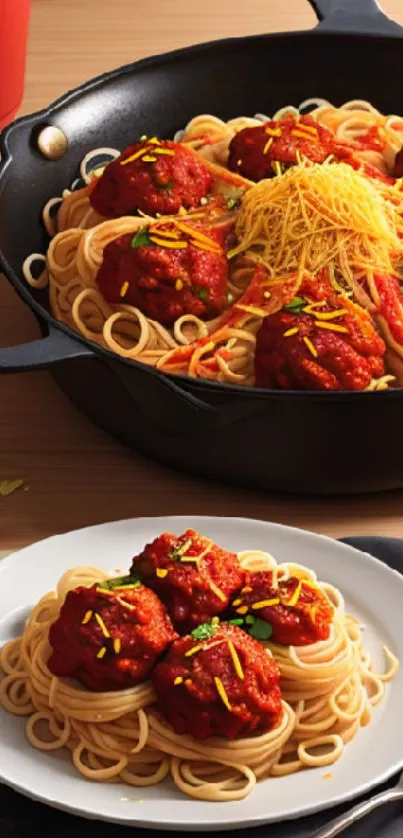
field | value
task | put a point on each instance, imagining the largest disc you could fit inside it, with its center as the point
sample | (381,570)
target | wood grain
(75,475)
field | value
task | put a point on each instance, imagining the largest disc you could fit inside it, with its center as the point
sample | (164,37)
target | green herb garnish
(204,631)
(237,622)
(202,294)
(295,306)
(180,549)
(261,630)
(118,581)
(141,239)
(234,197)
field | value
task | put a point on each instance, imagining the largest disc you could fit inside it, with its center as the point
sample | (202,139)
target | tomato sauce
(109,639)
(201,691)
(154,176)
(194,577)
(163,281)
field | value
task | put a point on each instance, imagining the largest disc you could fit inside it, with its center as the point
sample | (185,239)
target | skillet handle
(362,17)
(52,349)
(166,405)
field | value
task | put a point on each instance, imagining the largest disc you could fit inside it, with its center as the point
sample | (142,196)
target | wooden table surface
(74,474)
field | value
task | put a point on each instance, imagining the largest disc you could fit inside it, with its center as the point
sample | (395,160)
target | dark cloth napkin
(23,818)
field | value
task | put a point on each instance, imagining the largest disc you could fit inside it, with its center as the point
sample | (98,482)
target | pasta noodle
(329,690)
(311,217)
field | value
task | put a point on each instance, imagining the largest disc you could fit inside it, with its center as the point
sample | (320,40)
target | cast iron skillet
(294,442)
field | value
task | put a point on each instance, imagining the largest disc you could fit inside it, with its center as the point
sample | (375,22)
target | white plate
(373,592)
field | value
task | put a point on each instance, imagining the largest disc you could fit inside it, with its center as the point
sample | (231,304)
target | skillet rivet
(52,142)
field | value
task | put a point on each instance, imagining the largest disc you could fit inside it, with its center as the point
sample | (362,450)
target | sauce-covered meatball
(319,341)
(167,271)
(152,176)
(193,576)
(255,152)
(267,150)
(297,612)
(224,685)
(109,639)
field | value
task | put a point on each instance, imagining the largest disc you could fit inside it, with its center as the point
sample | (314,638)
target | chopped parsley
(141,239)
(295,306)
(180,549)
(260,629)
(204,631)
(202,294)
(118,581)
(234,197)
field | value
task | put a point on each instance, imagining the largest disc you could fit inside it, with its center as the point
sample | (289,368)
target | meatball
(193,576)
(168,271)
(268,149)
(256,152)
(109,639)
(328,343)
(152,176)
(297,612)
(225,685)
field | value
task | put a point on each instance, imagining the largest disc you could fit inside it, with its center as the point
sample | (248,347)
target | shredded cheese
(318,216)
(203,246)
(304,135)
(101,652)
(334,327)
(178,680)
(196,234)
(161,572)
(255,310)
(193,650)
(176,245)
(268,144)
(86,618)
(117,644)
(125,604)
(265,603)
(308,343)
(219,594)
(140,153)
(330,315)
(221,692)
(290,332)
(167,152)
(236,661)
(295,596)
(102,625)
(124,289)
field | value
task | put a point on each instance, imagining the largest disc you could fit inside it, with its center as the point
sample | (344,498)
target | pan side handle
(53,348)
(363,17)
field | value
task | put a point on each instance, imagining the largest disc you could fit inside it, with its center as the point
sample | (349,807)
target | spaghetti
(329,689)
(332,216)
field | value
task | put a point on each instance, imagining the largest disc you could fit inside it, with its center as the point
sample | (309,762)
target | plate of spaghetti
(263,251)
(220,672)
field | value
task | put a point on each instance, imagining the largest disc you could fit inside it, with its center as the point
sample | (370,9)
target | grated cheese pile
(322,215)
